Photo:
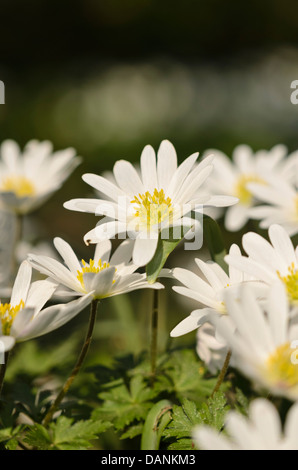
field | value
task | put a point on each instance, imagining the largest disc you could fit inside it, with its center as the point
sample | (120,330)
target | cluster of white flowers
(250,309)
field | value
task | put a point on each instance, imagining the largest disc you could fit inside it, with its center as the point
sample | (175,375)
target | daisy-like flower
(210,292)
(270,261)
(28,179)
(104,276)
(142,206)
(24,317)
(261,430)
(233,177)
(263,339)
(281,204)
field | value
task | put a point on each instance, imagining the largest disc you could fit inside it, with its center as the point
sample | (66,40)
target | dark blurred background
(109,77)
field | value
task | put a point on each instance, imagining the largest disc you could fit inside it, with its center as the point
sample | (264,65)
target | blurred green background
(109,77)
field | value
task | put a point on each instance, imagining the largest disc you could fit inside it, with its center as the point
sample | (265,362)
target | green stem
(77,367)
(222,373)
(154,330)
(157,419)
(3,370)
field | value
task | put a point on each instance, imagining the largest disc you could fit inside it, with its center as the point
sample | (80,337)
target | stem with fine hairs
(77,367)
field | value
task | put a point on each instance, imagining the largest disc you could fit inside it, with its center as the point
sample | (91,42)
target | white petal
(67,254)
(166,164)
(123,253)
(100,283)
(40,292)
(102,251)
(104,186)
(208,439)
(190,323)
(6,344)
(127,178)
(144,250)
(236,217)
(180,175)
(265,418)
(148,169)
(54,317)
(21,284)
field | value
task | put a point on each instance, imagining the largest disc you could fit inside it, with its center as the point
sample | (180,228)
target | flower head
(28,179)
(25,317)
(103,276)
(269,262)
(142,204)
(244,171)
(263,339)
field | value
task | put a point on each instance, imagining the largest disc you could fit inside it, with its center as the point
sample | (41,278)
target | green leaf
(166,244)
(76,436)
(188,415)
(125,403)
(183,374)
(38,437)
(64,435)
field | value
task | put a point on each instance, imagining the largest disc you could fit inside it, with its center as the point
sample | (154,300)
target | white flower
(209,293)
(104,276)
(28,179)
(23,318)
(270,261)
(210,349)
(281,204)
(233,176)
(261,430)
(162,197)
(263,340)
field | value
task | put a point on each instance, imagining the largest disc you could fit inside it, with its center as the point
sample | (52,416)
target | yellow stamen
(19,185)
(153,209)
(281,370)
(291,283)
(241,191)
(7,316)
(91,268)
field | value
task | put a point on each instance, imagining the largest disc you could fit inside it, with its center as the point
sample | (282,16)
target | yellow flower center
(153,209)
(91,268)
(291,283)
(241,191)
(19,185)
(281,369)
(7,316)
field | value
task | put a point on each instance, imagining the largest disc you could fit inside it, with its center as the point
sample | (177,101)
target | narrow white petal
(40,292)
(67,254)
(190,323)
(282,244)
(102,251)
(166,164)
(54,317)
(148,169)
(21,284)
(6,344)
(180,174)
(236,217)
(265,418)
(104,186)
(144,249)
(123,253)
(127,178)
